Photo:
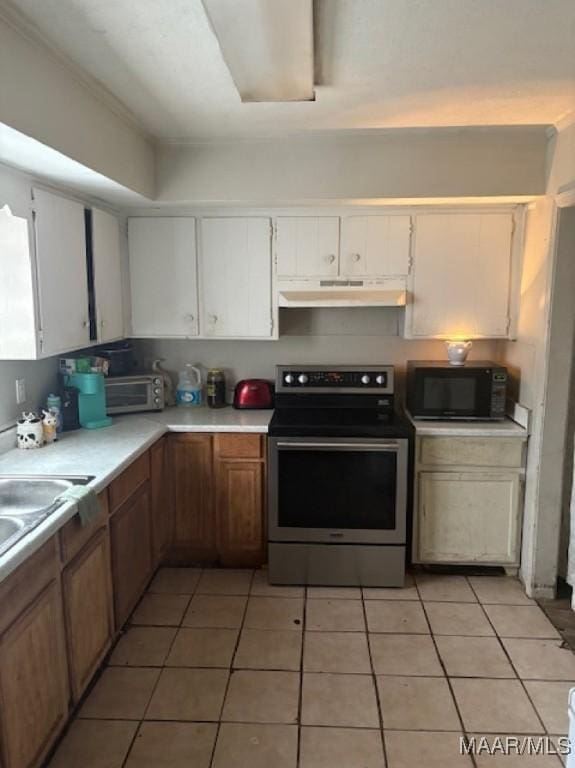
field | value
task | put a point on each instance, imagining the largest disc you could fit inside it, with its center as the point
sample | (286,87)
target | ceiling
(379,64)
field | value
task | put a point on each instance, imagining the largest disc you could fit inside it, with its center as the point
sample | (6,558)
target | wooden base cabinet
(239,504)
(33,681)
(130,533)
(191,467)
(468,512)
(162,517)
(219,498)
(88,610)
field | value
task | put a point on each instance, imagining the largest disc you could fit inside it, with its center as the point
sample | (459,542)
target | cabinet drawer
(131,479)
(239,446)
(472,451)
(74,535)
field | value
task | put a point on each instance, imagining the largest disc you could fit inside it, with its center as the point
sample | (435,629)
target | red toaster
(254,393)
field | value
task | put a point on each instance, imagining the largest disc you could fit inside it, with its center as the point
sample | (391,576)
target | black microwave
(474,391)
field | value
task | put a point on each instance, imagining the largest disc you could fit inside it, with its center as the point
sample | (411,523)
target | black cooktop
(339,422)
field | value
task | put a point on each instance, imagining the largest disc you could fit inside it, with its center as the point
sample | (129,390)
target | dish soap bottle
(189,391)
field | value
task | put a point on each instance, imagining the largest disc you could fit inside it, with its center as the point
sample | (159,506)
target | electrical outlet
(20,391)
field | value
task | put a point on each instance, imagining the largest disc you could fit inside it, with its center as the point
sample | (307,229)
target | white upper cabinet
(461,277)
(106,260)
(375,246)
(235,277)
(163,276)
(307,246)
(62,273)
(18,322)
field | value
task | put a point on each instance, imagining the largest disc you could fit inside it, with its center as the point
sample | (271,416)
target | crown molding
(27,29)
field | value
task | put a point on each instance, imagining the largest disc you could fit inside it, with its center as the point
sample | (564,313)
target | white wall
(542,364)
(407,164)
(43,98)
(247,359)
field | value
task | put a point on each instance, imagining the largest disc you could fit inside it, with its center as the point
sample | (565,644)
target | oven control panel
(377,379)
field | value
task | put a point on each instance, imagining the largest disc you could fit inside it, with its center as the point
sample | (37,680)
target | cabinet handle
(190,318)
(85,323)
(213,318)
(356,257)
(330,258)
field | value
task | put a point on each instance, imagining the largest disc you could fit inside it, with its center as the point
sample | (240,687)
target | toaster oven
(132,394)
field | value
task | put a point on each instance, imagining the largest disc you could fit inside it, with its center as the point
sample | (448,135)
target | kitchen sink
(27,500)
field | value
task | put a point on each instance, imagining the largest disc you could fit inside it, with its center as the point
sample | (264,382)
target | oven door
(130,395)
(337,490)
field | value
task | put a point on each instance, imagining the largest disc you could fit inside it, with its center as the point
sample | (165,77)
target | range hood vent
(343,293)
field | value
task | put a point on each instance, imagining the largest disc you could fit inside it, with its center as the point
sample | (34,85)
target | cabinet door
(239,502)
(235,261)
(470,517)
(107,276)
(131,552)
(162,517)
(307,246)
(33,681)
(461,279)
(62,273)
(163,276)
(88,610)
(376,246)
(194,519)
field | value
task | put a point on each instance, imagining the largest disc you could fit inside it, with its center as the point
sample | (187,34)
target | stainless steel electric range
(338,477)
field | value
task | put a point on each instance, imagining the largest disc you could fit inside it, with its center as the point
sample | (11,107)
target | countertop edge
(31,542)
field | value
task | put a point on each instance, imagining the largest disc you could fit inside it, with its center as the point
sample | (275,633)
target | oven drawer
(499,452)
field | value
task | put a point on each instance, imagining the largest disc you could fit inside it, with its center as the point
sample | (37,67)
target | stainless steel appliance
(338,477)
(130,394)
(474,391)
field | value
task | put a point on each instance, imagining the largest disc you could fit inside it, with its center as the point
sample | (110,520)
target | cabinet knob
(213,318)
(85,323)
(356,257)
(330,258)
(189,317)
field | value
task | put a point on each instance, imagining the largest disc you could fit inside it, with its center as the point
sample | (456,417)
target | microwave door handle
(391,445)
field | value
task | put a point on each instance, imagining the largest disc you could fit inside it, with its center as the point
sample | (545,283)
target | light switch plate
(20,391)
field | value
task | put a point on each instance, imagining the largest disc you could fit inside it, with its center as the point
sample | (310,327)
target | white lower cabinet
(468,514)
(468,517)
(235,278)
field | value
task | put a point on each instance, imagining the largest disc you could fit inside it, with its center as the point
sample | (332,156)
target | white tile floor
(220,670)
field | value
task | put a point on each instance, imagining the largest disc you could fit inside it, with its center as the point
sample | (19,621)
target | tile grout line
(374,680)
(300,696)
(447,678)
(231,670)
(502,645)
(163,666)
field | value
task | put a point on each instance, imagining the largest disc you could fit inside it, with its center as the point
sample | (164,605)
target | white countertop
(105,453)
(505,428)
(206,419)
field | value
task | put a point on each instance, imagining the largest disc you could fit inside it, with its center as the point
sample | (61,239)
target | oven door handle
(390,445)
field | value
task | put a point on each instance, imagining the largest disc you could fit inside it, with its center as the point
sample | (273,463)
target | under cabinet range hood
(342,293)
